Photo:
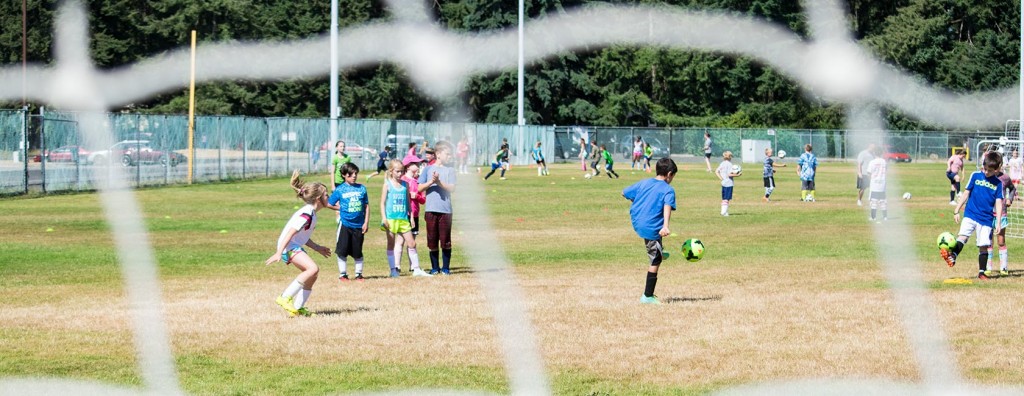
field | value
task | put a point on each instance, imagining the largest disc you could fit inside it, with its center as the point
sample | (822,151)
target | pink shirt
(421,197)
(955,164)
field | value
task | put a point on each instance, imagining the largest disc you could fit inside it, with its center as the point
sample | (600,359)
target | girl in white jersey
(295,235)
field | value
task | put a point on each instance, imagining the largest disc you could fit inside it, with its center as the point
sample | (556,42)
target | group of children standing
(405,188)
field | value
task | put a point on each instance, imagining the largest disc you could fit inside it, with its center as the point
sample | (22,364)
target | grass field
(788,290)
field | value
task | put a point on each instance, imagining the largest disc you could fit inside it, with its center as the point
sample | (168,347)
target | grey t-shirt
(707,145)
(438,199)
(864,158)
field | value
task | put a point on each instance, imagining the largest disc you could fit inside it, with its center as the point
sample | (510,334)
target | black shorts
(707,155)
(862,183)
(382,167)
(807,184)
(350,242)
(415,225)
(540,161)
(654,250)
(769,182)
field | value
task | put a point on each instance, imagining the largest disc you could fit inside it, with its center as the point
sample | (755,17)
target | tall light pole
(335,110)
(519,118)
(1020,114)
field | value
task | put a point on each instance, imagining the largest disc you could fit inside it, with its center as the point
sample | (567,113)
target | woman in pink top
(954,166)
(461,154)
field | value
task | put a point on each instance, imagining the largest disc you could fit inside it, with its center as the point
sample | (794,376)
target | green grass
(565,240)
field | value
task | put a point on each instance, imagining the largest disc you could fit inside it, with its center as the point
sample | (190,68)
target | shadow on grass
(673,300)
(346,311)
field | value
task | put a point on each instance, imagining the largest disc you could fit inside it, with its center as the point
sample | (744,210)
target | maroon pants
(439,230)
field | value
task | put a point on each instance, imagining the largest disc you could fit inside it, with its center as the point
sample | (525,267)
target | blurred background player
(807,166)
(609,163)
(863,158)
(954,168)
(340,158)
(1009,195)
(595,155)
(707,149)
(769,174)
(296,234)
(462,155)
(538,156)
(500,161)
(584,154)
(1015,167)
(725,174)
(648,153)
(653,201)
(382,162)
(876,174)
(638,153)
(351,201)
(983,195)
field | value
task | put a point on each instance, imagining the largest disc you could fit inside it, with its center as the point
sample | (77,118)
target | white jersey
(1015,167)
(724,169)
(877,169)
(304,220)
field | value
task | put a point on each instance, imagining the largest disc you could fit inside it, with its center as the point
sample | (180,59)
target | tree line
(960,45)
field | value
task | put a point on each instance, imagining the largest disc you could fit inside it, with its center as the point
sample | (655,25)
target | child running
(609,163)
(500,161)
(983,195)
(648,153)
(876,196)
(653,201)
(294,236)
(351,201)
(382,162)
(725,174)
(807,166)
(538,156)
(769,174)
(595,155)
(394,208)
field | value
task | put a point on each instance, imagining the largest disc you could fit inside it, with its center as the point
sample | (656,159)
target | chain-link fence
(154,148)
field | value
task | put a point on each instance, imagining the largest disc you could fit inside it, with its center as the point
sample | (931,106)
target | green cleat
(305,312)
(286,303)
(1004,273)
(649,300)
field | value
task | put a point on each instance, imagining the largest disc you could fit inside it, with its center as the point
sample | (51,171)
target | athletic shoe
(305,312)
(343,277)
(394,273)
(859,203)
(949,256)
(445,271)
(952,202)
(434,271)
(286,303)
(981,276)
(649,300)
(1004,273)
(359,277)
(991,273)
(503,178)
(419,272)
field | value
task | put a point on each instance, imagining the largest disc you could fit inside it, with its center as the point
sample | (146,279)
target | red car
(893,156)
(64,154)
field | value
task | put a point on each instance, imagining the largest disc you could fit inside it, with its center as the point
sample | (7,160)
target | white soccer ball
(906,195)
(782,154)
(588,175)
(737,169)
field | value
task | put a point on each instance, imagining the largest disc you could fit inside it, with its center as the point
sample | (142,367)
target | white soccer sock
(391,259)
(398,255)
(292,289)
(359,265)
(414,259)
(301,298)
(342,265)
(1003,258)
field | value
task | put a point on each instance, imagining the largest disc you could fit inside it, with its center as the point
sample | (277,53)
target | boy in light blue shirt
(653,202)
(807,165)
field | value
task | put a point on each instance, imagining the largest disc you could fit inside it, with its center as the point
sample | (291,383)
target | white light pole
(335,110)
(1020,114)
(519,118)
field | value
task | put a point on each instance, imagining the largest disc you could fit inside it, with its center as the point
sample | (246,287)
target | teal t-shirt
(396,205)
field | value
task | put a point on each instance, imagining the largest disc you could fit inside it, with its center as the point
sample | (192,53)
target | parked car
(658,148)
(356,151)
(132,152)
(63,154)
(895,156)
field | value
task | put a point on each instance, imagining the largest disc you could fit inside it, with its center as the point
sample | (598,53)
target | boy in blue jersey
(982,195)
(538,156)
(769,174)
(653,202)
(350,200)
(382,162)
(807,166)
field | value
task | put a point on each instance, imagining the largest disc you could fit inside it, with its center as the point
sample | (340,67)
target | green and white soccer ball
(946,240)
(693,249)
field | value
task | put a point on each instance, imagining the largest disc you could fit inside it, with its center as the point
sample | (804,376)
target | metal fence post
(24,143)
(267,145)
(245,144)
(42,153)
(220,145)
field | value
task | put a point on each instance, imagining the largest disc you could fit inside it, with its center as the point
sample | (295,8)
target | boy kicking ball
(982,195)
(653,202)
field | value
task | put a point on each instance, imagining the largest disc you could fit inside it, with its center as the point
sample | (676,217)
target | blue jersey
(769,168)
(353,201)
(982,201)
(383,158)
(538,154)
(649,199)
(808,163)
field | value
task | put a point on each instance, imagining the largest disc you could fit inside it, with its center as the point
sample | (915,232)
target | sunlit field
(787,290)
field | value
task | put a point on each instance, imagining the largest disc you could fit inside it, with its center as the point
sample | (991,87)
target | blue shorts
(727,193)
(289,254)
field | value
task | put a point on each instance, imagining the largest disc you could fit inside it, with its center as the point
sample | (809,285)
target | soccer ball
(782,154)
(588,175)
(946,240)
(737,169)
(693,249)
(906,195)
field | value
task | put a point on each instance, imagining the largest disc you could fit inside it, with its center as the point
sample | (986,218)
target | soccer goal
(1009,145)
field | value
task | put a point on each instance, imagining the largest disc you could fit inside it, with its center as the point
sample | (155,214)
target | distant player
(983,195)
(954,170)
(584,153)
(340,158)
(876,173)
(638,153)
(538,156)
(462,155)
(725,175)
(609,163)
(648,153)
(351,201)
(294,236)
(500,161)
(863,158)
(595,155)
(1015,167)
(769,174)
(807,166)
(382,162)
(707,149)
(1009,195)
(653,201)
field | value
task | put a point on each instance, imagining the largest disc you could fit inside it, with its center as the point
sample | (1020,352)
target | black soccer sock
(652,280)
(958,247)
(983,259)
(489,174)
(952,195)
(502,172)
(446,256)
(434,265)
